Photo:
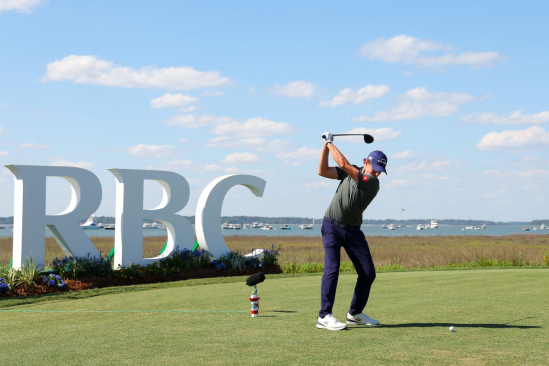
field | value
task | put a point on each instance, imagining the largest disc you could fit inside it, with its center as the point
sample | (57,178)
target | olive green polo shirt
(352,198)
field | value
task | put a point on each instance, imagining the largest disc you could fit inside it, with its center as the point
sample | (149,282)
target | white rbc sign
(30,212)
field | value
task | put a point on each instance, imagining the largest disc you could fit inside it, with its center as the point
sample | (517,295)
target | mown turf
(501,317)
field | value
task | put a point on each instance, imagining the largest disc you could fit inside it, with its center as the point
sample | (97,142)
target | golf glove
(327,137)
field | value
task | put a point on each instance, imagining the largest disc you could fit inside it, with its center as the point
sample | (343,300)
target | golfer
(341,228)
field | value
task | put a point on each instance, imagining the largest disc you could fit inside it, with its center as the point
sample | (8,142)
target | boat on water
(256,225)
(420,227)
(266,227)
(246,226)
(225,226)
(285,227)
(525,229)
(109,227)
(434,224)
(384,226)
(391,227)
(150,225)
(307,226)
(236,227)
(542,227)
(91,224)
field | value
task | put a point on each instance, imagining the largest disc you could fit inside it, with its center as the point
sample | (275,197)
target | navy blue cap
(378,160)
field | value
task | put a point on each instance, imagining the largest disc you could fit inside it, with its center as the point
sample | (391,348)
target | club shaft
(348,134)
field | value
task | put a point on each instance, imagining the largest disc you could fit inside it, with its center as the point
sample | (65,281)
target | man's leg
(331,239)
(357,248)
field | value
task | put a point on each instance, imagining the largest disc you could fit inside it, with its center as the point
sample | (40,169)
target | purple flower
(51,283)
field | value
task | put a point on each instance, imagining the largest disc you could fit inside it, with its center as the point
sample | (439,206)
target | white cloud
(33,146)
(420,102)
(294,89)
(211,167)
(93,70)
(514,118)
(379,134)
(303,153)
(20,6)
(405,154)
(184,102)
(241,157)
(3,153)
(174,165)
(259,144)
(413,51)
(360,96)
(253,127)
(152,151)
(4,105)
(396,183)
(194,122)
(532,138)
(2,130)
(80,164)
(213,93)
(428,166)
(232,170)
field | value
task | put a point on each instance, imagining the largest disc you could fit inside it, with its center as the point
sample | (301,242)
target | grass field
(501,317)
(409,252)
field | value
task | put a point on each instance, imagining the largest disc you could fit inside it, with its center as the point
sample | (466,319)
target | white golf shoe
(361,319)
(330,323)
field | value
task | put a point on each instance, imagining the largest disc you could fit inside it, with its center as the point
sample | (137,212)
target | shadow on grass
(457,325)
(283,311)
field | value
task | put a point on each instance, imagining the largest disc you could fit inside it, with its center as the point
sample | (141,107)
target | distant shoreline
(300,220)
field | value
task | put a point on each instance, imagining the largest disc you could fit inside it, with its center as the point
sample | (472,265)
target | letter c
(208,210)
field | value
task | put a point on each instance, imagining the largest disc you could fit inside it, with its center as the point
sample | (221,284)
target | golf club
(367,138)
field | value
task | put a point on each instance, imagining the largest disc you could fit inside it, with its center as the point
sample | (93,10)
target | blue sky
(455,95)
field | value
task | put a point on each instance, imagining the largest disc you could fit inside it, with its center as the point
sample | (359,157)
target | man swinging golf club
(341,228)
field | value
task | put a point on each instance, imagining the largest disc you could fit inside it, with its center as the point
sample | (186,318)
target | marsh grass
(405,252)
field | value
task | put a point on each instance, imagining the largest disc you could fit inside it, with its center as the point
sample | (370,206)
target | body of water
(369,230)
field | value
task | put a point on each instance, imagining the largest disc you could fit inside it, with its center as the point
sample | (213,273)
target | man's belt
(341,226)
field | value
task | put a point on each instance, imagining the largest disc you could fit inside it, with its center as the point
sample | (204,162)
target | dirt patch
(100,282)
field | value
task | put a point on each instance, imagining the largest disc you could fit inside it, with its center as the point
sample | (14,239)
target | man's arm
(342,162)
(323,169)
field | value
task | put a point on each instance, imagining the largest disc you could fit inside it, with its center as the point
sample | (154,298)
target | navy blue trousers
(353,241)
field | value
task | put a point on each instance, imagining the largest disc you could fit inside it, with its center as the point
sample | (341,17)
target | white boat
(420,227)
(525,229)
(483,226)
(470,227)
(542,227)
(236,226)
(246,226)
(267,227)
(384,226)
(391,227)
(476,228)
(91,224)
(307,226)
(225,226)
(255,225)
(150,225)
(109,227)
(434,224)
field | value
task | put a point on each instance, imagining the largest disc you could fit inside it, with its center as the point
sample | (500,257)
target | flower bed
(76,274)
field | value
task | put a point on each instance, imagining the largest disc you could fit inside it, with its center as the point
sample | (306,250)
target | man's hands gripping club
(328,138)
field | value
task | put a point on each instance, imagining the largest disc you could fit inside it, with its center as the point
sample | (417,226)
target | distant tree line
(308,220)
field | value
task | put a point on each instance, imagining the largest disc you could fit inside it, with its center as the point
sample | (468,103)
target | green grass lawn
(501,317)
